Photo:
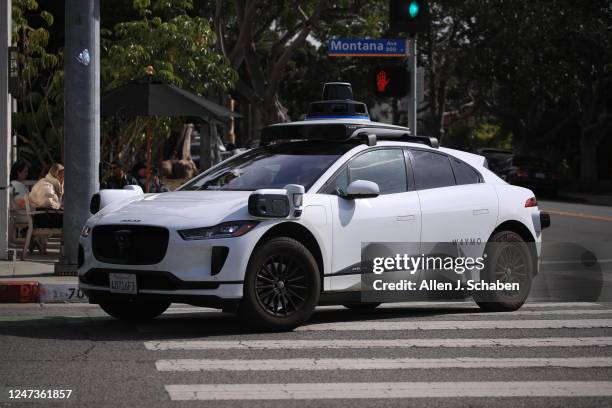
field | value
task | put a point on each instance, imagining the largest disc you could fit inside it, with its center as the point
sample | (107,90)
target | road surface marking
(579,215)
(459,325)
(321,391)
(318,364)
(372,344)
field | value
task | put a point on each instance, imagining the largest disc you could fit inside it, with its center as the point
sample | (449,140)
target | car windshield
(272,166)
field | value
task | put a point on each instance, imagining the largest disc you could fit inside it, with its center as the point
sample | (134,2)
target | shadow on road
(185,325)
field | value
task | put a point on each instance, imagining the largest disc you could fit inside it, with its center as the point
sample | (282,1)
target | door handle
(482,211)
(405,218)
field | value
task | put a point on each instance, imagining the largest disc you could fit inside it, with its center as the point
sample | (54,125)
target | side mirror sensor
(137,189)
(277,203)
(362,189)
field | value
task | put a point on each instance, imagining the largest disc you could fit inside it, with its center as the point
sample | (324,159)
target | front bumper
(186,270)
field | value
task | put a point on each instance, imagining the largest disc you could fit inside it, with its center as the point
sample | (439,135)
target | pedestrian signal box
(390,81)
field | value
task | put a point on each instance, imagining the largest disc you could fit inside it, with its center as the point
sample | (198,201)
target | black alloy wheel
(510,259)
(282,286)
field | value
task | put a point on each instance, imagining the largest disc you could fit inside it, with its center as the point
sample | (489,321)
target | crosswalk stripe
(371,344)
(320,391)
(317,364)
(458,325)
(426,304)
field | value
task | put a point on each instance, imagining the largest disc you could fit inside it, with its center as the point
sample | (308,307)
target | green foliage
(39,119)
(178,46)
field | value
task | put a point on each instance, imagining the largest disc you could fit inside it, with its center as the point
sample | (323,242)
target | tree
(39,118)
(181,50)
(261,39)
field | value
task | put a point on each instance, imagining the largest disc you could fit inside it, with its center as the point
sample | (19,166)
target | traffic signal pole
(82,123)
(5,125)
(411,50)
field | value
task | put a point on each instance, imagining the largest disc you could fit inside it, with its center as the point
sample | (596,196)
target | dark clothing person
(118,179)
(118,183)
(154,186)
(48,219)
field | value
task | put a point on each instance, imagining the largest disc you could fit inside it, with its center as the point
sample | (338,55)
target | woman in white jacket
(47,194)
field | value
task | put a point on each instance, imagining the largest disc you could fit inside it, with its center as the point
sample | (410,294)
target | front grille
(129,244)
(152,280)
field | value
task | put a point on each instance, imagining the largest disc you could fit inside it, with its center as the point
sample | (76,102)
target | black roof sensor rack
(342,132)
(397,135)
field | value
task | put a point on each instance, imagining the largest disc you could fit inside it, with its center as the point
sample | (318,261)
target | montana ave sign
(340,47)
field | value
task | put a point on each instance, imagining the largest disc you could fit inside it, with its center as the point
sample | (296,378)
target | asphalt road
(555,351)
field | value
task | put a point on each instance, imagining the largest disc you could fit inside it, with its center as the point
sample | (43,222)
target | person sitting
(118,178)
(47,195)
(18,191)
(19,173)
(154,184)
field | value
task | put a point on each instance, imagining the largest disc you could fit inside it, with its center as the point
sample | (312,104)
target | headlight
(85,232)
(226,230)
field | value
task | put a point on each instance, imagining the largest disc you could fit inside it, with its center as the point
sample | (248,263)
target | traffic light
(409,16)
(390,80)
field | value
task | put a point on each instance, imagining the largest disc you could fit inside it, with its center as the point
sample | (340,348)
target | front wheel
(281,287)
(509,260)
(134,310)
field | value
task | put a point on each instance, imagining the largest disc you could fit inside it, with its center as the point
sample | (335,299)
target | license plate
(123,283)
(540,175)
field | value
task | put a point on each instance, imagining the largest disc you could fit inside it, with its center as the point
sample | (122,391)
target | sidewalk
(33,281)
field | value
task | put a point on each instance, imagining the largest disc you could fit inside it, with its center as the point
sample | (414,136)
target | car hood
(181,207)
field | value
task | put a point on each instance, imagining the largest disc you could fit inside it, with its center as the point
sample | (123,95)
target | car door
(456,206)
(393,216)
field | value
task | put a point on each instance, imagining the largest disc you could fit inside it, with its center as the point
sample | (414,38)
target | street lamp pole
(82,122)
(5,124)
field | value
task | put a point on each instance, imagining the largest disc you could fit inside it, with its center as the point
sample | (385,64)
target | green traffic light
(413,9)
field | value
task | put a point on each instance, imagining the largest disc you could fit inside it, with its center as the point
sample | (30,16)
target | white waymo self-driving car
(277,230)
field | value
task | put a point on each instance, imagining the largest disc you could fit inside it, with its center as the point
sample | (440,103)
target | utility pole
(411,49)
(5,124)
(82,123)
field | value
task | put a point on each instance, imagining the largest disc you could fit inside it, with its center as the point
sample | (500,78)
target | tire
(509,259)
(135,310)
(282,286)
(362,306)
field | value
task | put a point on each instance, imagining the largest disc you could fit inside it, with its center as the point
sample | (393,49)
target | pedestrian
(19,173)
(46,196)
(154,182)
(118,178)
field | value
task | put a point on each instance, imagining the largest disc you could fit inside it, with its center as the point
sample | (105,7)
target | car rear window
(464,173)
(432,170)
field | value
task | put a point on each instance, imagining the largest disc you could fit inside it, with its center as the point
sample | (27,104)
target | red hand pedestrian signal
(390,81)
(382,80)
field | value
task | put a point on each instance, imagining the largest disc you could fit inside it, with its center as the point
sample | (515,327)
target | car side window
(338,185)
(432,170)
(464,173)
(385,167)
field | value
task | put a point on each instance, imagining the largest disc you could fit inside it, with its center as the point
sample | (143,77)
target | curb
(19,291)
(36,292)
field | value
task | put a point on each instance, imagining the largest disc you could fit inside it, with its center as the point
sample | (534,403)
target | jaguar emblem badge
(123,239)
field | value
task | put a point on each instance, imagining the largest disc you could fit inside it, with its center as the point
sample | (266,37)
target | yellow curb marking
(579,215)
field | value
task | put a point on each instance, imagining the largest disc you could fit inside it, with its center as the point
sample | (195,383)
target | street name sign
(343,47)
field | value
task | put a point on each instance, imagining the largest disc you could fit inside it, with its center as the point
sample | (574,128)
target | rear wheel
(134,310)
(282,286)
(509,260)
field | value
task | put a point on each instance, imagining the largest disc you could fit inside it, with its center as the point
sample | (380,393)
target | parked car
(277,230)
(495,157)
(531,172)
